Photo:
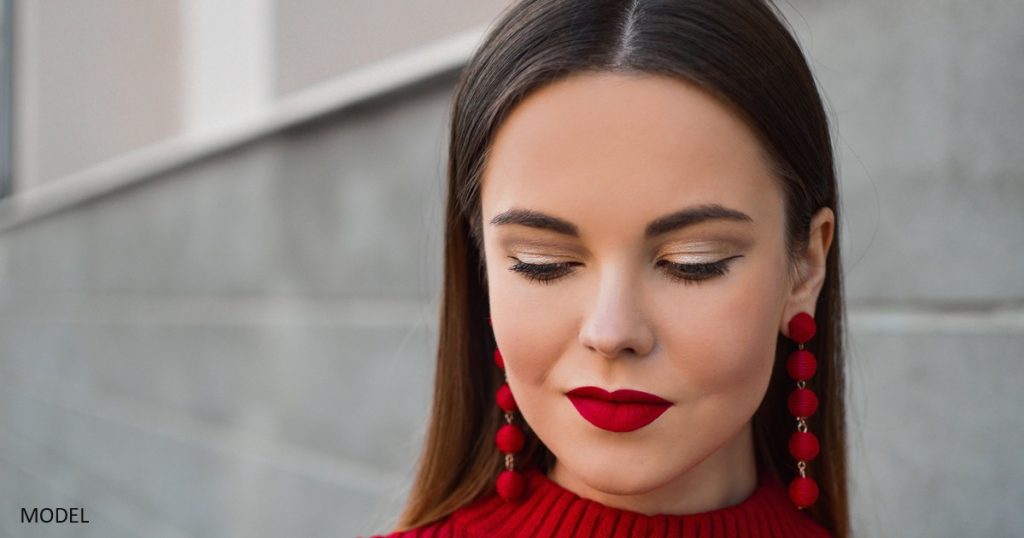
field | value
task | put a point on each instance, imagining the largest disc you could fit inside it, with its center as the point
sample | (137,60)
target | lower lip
(618,416)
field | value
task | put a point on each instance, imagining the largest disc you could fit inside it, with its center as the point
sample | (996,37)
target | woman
(641,211)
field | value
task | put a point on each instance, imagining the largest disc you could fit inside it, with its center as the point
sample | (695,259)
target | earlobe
(811,277)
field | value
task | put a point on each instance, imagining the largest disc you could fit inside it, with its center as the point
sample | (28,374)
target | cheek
(530,334)
(529,350)
(530,355)
(729,346)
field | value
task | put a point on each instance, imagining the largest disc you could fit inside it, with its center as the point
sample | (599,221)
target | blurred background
(220,258)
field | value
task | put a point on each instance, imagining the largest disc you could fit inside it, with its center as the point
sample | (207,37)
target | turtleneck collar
(548,509)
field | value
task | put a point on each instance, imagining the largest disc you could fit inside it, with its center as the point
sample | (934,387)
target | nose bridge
(616,324)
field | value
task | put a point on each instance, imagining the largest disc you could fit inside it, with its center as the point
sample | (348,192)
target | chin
(618,477)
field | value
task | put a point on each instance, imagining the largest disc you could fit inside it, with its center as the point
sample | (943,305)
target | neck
(725,478)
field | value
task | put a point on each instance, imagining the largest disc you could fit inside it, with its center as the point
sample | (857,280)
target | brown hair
(741,52)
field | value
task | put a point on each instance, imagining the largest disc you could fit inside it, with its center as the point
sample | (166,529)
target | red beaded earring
(803,445)
(510,439)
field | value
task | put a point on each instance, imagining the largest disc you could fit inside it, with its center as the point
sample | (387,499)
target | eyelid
(541,259)
(519,244)
(703,260)
(687,273)
(711,262)
(702,246)
(710,246)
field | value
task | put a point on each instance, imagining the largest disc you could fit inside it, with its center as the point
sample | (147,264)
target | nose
(616,325)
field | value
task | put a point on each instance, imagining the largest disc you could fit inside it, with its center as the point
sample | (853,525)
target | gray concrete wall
(316,39)
(241,347)
(244,346)
(98,79)
(92,80)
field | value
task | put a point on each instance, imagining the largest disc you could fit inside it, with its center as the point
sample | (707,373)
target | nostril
(618,340)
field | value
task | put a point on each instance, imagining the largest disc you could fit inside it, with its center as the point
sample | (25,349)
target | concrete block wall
(240,347)
(244,346)
(96,80)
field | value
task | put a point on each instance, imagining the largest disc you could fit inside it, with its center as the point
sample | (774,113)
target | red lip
(620,411)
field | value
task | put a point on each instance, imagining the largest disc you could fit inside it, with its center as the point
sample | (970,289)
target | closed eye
(687,273)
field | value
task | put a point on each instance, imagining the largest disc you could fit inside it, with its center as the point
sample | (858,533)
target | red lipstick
(620,411)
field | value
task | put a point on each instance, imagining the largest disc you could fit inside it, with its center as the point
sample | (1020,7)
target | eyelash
(546,273)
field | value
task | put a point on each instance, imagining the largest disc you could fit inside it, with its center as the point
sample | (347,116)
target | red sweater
(548,509)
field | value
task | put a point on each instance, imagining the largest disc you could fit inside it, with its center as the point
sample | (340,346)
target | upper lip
(621,395)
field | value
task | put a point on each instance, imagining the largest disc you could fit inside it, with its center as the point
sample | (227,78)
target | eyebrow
(659,226)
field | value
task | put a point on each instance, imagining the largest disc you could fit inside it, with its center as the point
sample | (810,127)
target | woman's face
(648,210)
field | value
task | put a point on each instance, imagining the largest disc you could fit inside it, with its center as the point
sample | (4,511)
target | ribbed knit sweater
(548,509)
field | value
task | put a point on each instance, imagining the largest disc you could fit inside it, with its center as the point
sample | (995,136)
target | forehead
(621,149)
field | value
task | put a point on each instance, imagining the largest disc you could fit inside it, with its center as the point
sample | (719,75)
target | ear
(810,274)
